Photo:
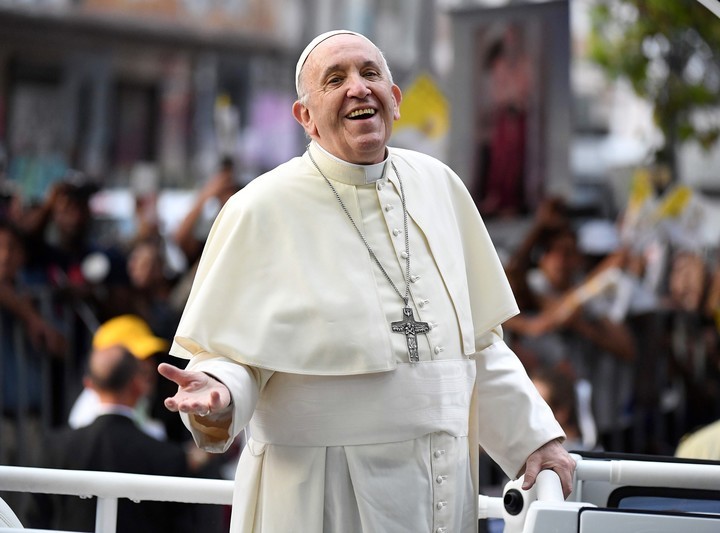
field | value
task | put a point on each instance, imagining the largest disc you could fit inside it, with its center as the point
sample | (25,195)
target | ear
(397,97)
(302,115)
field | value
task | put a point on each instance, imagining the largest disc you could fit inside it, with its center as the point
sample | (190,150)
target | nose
(357,86)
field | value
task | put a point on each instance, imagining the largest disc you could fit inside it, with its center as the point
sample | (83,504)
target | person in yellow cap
(134,334)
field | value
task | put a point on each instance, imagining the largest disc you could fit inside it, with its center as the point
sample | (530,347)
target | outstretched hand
(198,393)
(550,456)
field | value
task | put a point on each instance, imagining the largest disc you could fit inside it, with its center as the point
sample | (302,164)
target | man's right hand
(198,393)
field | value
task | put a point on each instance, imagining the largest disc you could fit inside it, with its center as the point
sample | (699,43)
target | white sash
(413,400)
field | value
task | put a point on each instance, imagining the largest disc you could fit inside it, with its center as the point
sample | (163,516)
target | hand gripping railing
(109,486)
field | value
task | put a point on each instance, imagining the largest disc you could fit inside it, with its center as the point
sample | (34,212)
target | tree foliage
(669,50)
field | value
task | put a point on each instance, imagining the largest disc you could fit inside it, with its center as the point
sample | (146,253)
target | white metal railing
(108,487)
(546,495)
(651,473)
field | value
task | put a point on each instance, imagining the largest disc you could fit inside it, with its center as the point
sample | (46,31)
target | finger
(531,473)
(195,408)
(171,405)
(567,478)
(172,373)
(216,400)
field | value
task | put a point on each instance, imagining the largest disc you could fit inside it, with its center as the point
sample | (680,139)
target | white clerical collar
(344,172)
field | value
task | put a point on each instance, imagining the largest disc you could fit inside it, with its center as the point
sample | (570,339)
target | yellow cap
(133,333)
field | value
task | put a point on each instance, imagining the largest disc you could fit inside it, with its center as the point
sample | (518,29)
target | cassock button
(440,480)
(439,453)
(397,232)
(404,255)
(441,530)
(379,185)
(423,303)
(414,279)
(438,349)
(440,505)
(389,207)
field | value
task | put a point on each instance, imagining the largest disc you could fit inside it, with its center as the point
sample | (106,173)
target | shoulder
(271,188)
(427,169)
(419,160)
(431,178)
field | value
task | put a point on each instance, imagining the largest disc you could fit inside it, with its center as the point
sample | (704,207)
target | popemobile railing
(542,509)
(108,487)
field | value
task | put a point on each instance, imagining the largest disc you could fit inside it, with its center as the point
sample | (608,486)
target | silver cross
(410,328)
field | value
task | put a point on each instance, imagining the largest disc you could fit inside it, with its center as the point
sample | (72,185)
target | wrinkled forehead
(320,42)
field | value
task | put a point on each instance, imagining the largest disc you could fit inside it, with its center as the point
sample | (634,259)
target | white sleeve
(514,420)
(244,389)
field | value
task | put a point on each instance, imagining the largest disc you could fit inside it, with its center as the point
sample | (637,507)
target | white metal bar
(490,507)
(106,515)
(650,474)
(549,487)
(136,487)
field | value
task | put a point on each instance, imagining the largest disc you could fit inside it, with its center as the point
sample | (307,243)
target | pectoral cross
(410,329)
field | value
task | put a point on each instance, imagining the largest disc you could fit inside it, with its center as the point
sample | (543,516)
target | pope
(348,309)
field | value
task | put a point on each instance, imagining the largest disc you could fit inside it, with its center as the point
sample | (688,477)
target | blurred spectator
(151,287)
(149,412)
(11,205)
(570,402)
(25,339)
(693,296)
(191,234)
(688,281)
(115,443)
(77,278)
(145,188)
(65,255)
(132,333)
(564,318)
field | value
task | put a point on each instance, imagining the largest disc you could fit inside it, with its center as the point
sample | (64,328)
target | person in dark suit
(115,443)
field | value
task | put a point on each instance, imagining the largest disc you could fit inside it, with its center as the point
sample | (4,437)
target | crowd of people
(627,310)
(614,327)
(71,301)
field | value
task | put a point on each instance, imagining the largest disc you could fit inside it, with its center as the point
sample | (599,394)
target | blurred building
(148,94)
(157,89)
(152,93)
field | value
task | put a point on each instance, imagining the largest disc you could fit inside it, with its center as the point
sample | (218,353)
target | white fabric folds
(414,400)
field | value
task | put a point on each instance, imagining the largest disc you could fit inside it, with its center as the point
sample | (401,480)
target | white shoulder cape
(285,284)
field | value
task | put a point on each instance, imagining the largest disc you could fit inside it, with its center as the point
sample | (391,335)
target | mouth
(360,114)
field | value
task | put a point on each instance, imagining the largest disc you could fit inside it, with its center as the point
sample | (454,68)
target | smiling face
(350,102)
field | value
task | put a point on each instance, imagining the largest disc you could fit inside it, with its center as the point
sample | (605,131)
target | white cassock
(289,310)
